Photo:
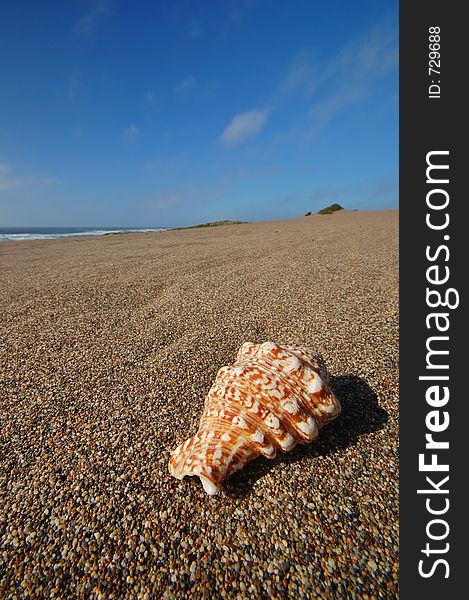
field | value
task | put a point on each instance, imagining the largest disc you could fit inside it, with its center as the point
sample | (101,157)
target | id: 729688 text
(434,88)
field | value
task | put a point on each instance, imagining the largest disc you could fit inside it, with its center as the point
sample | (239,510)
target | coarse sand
(108,346)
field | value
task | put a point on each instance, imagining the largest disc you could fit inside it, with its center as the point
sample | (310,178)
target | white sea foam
(11,235)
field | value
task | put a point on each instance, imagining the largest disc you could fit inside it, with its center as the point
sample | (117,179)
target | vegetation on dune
(328,210)
(212,224)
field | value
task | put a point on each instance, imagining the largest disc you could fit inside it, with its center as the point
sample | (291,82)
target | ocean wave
(24,236)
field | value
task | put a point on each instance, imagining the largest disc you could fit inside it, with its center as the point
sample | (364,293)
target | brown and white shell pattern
(273,397)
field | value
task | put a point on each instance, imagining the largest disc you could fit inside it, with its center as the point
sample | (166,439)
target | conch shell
(272,397)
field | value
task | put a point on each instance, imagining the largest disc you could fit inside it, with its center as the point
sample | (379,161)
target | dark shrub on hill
(328,210)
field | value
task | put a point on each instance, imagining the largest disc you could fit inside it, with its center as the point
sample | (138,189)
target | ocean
(8,234)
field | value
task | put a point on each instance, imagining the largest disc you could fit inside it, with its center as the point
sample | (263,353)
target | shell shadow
(360,414)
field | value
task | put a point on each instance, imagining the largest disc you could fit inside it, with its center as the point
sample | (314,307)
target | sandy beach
(108,346)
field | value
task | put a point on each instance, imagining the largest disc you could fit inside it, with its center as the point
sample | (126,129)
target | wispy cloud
(10,182)
(74,85)
(132,131)
(7,182)
(174,166)
(164,201)
(87,24)
(302,76)
(239,11)
(194,30)
(243,126)
(328,87)
(192,195)
(187,84)
(348,78)
(179,197)
(149,97)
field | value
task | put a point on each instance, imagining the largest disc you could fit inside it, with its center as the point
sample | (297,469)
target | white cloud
(74,86)
(302,75)
(244,126)
(149,97)
(189,83)
(328,87)
(349,77)
(164,201)
(9,182)
(179,197)
(239,11)
(87,24)
(334,85)
(132,131)
(4,169)
(194,30)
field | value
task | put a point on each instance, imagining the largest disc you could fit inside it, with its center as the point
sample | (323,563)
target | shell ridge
(206,448)
(303,395)
(257,424)
(288,423)
(308,355)
(270,368)
(179,466)
(230,458)
(248,414)
(287,419)
(251,424)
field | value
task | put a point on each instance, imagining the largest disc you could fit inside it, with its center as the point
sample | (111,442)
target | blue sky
(153,113)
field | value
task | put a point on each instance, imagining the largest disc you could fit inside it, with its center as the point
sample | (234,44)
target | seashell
(273,397)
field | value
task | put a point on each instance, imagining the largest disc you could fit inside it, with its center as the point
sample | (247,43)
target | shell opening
(208,486)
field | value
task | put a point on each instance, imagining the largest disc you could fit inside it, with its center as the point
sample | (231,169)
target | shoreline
(25,236)
(203,226)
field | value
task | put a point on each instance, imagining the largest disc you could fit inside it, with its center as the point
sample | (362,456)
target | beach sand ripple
(107,348)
